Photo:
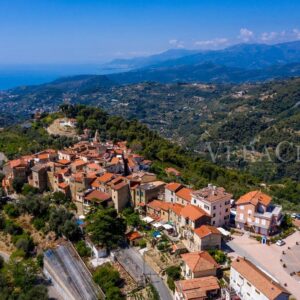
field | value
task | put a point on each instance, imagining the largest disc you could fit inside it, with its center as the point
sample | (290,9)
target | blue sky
(90,31)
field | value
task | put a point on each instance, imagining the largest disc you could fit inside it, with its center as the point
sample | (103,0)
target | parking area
(269,258)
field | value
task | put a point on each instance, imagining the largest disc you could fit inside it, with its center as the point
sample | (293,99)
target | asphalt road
(157,282)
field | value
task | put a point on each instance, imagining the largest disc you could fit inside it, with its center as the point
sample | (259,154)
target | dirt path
(57,129)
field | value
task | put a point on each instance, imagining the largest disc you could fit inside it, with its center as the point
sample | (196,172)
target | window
(227,202)
(241,216)
(242,207)
(226,209)
(249,284)
(206,207)
(213,222)
(249,211)
(214,215)
(263,222)
(257,220)
(214,207)
(195,201)
(258,292)
(241,277)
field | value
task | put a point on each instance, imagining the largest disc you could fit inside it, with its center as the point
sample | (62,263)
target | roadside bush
(83,249)
(142,244)
(218,255)
(174,274)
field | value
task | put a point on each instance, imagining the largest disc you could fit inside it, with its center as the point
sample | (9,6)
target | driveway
(139,265)
(268,258)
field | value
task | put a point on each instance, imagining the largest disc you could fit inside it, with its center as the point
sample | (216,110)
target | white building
(215,201)
(251,283)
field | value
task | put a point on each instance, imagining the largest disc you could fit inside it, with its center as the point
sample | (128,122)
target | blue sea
(13,76)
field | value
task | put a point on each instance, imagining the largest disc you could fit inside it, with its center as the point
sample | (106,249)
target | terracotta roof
(16,163)
(258,278)
(106,177)
(172,171)
(199,261)
(158,205)
(63,185)
(133,235)
(97,196)
(176,208)
(197,288)
(78,162)
(43,156)
(173,186)
(205,230)
(64,162)
(193,212)
(94,166)
(213,194)
(185,194)
(254,198)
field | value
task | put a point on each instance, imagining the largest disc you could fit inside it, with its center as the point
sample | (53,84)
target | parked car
(294,215)
(280,243)
(298,216)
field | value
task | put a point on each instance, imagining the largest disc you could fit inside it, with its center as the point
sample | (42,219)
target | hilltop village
(188,230)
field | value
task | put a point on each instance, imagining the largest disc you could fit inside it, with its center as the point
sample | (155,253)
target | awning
(148,219)
(224,232)
(157,225)
(168,226)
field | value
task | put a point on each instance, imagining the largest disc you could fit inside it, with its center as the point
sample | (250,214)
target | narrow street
(136,258)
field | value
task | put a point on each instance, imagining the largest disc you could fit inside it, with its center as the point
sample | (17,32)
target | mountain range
(238,63)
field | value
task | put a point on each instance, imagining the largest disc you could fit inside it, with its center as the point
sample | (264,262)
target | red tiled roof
(193,212)
(205,230)
(172,171)
(258,278)
(63,185)
(97,196)
(254,198)
(131,236)
(64,162)
(185,194)
(158,205)
(176,208)
(199,261)
(106,177)
(173,186)
(78,163)
(197,288)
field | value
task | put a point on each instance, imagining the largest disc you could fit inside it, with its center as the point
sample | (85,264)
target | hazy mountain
(238,63)
(140,62)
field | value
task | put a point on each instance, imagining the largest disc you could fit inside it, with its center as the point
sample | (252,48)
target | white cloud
(269,36)
(214,43)
(176,43)
(246,35)
(296,33)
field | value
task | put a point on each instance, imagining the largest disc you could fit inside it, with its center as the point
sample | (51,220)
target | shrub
(83,249)
(11,210)
(142,244)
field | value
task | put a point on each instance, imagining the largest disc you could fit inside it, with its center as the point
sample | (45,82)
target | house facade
(255,212)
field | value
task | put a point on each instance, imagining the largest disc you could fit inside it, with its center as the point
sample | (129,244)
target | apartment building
(215,201)
(256,213)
